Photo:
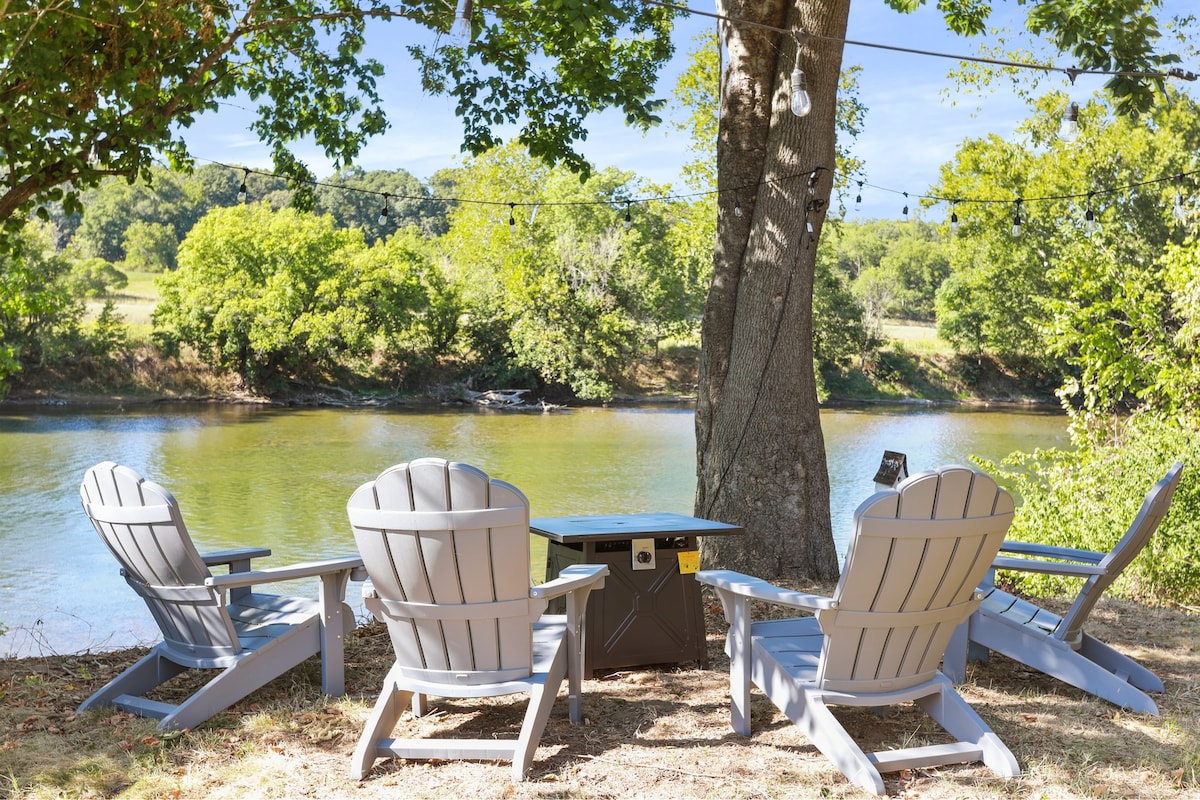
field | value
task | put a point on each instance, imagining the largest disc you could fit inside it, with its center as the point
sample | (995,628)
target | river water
(247,475)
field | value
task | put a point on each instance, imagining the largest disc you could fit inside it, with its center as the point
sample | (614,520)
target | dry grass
(649,733)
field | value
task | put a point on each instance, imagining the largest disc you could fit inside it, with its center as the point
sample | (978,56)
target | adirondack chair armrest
(1052,551)
(1047,567)
(307,569)
(576,576)
(237,560)
(757,589)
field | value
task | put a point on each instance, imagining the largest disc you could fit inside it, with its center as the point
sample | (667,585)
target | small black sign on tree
(892,469)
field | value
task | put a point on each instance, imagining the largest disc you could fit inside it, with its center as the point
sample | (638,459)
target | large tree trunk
(759,449)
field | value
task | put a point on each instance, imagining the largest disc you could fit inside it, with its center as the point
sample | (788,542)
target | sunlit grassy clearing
(134,303)
(915,337)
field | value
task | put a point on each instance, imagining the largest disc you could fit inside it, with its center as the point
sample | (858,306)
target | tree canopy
(90,88)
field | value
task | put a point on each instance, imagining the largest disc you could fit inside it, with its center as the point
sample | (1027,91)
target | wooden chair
(447,552)
(918,553)
(1056,645)
(212,622)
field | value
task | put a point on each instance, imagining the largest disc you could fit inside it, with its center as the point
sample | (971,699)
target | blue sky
(915,120)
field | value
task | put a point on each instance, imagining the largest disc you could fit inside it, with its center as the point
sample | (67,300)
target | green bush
(1087,497)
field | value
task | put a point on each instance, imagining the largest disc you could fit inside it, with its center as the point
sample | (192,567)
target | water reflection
(247,475)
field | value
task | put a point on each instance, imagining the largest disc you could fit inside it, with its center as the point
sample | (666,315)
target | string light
(1178,211)
(243,193)
(801,102)
(858,197)
(462,21)
(737,205)
(1089,216)
(953,218)
(383,215)
(1069,128)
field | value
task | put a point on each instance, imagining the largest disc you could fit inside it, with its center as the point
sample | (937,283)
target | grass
(648,733)
(135,302)
(916,337)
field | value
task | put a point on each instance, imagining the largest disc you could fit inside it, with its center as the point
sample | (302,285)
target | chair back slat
(918,554)
(479,569)
(140,523)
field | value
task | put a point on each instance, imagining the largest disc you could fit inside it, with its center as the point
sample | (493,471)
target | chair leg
(383,719)
(1119,664)
(576,633)
(253,670)
(541,700)
(336,621)
(150,671)
(825,731)
(739,647)
(954,660)
(948,709)
(1056,659)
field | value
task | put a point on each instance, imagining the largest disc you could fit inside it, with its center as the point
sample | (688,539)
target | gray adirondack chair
(447,552)
(918,553)
(210,622)
(1056,645)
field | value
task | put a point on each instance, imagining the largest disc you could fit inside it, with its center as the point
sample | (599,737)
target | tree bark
(759,448)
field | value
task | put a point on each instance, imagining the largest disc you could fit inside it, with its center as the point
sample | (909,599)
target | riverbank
(648,733)
(145,376)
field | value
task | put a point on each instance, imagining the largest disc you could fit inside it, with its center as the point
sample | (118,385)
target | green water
(247,475)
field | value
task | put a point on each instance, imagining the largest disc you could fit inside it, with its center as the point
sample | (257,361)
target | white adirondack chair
(918,553)
(1056,645)
(447,552)
(213,622)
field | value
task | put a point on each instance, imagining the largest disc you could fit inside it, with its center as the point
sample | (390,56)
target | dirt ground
(648,733)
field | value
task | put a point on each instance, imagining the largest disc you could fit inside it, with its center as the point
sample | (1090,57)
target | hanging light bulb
(512,220)
(905,211)
(1069,128)
(461,30)
(801,102)
(1016,228)
(953,219)
(243,193)
(858,197)
(383,215)
(1178,211)
(628,219)
(737,206)
(1089,216)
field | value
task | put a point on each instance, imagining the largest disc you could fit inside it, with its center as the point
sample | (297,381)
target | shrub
(1087,497)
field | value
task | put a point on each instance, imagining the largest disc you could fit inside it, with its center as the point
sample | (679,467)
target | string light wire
(1070,72)
(809,176)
